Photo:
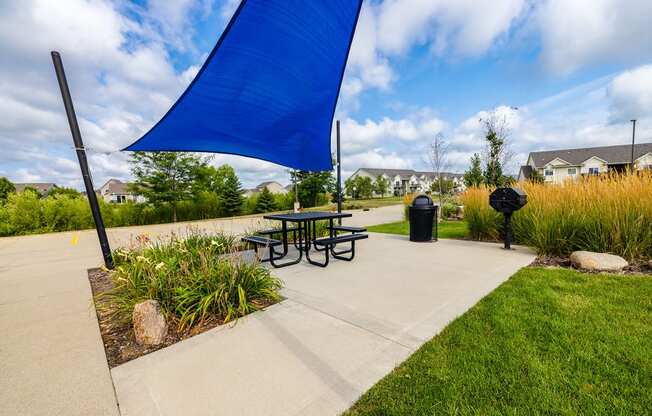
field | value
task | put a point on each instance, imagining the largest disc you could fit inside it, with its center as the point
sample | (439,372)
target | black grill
(506,201)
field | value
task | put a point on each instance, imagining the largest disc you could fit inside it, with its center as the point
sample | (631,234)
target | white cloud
(456,28)
(463,27)
(631,94)
(360,136)
(120,86)
(577,33)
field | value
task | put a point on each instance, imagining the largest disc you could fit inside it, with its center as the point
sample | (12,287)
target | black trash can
(422,215)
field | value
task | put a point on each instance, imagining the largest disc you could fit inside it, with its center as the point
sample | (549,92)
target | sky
(562,73)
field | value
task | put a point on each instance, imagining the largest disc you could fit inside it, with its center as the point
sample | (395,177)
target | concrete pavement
(52,359)
(339,331)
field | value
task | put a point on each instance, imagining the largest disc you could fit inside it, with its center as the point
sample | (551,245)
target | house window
(594,171)
(572,171)
(548,172)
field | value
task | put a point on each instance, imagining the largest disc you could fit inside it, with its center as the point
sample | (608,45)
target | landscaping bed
(547,341)
(199,281)
(639,267)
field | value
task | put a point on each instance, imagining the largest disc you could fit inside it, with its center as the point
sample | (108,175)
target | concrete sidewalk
(340,330)
(51,354)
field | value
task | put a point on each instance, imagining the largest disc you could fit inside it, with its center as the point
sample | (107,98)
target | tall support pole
(633,141)
(81,156)
(339,173)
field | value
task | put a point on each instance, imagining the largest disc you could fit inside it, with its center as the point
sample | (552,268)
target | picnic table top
(307,216)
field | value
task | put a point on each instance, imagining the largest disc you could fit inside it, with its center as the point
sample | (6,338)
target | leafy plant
(193,278)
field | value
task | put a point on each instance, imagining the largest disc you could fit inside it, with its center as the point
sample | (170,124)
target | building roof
(267,183)
(525,172)
(406,173)
(116,186)
(42,187)
(613,155)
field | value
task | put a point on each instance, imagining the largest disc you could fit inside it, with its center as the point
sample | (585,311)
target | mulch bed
(119,340)
(564,262)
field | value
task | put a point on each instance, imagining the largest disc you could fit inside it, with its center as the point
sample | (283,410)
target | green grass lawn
(447,229)
(548,341)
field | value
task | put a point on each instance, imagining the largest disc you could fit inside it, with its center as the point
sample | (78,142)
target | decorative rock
(603,262)
(150,327)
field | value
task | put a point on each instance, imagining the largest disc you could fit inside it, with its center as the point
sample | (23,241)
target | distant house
(115,191)
(556,166)
(404,181)
(272,186)
(43,188)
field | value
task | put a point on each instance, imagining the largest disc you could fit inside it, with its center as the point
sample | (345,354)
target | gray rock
(603,262)
(149,323)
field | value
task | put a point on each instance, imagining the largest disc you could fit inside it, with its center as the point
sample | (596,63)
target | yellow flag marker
(75,239)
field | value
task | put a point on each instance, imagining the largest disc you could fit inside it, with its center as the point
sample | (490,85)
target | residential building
(115,191)
(272,186)
(557,166)
(404,181)
(43,188)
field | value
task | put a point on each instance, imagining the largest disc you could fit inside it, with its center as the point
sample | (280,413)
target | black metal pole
(633,140)
(339,173)
(508,230)
(81,156)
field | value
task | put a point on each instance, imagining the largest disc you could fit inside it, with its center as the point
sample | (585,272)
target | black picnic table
(307,236)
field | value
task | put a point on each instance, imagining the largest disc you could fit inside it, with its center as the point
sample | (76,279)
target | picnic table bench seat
(261,241)
(331,241)
(348,229)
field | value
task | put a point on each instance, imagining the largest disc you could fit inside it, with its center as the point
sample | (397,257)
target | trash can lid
(422,201)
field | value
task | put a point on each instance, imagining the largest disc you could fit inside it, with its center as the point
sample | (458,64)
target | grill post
(507,227)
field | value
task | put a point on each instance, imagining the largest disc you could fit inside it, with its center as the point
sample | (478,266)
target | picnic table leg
(284,230)
(285,250)
(316,263)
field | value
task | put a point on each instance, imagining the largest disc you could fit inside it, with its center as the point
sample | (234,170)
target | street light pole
(633,140)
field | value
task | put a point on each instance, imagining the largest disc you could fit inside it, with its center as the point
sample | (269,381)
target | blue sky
(561,73)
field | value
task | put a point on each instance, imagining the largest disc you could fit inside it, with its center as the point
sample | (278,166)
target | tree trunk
(174,212)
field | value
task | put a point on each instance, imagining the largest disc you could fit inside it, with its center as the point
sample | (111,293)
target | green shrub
(193,278)
(448,210)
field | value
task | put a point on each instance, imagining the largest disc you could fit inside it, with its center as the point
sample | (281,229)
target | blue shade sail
(268,89)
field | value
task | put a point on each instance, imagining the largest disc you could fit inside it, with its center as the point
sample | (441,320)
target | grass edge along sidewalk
(446,229)
(547,341)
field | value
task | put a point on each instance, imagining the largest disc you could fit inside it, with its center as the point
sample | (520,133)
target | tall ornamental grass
(611,213)
(193,278)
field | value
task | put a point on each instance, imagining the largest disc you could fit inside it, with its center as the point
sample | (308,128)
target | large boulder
(149,323)
(602,262)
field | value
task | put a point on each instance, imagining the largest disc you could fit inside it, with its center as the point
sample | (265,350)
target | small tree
(473,176)
(438,157)
(6,188)
(232,194)
(311,184)
(381,185)
(444,186)
(497,152)
(265,201)
(165,177)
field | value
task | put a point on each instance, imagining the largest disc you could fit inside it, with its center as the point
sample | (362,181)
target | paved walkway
(339,330)
(52,359)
